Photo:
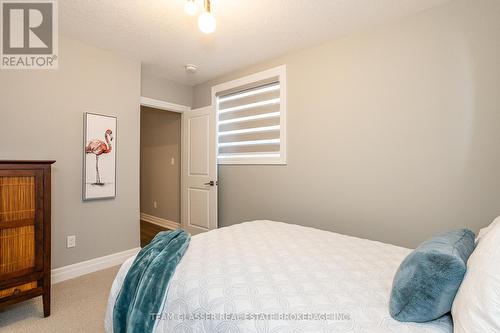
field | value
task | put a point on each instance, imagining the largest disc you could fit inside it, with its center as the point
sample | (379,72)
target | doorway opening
(160,165)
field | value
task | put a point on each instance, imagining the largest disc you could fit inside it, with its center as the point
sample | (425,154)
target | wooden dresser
(25,232)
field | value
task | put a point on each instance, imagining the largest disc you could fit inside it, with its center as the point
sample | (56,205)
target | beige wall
(160,180)
(41,117)
(156,87)
(393,133)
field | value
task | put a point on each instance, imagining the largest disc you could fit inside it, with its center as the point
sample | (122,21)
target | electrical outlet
(155,204)
(70,241)
(172,161)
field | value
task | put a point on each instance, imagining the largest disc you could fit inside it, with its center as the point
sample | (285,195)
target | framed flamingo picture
(99,157)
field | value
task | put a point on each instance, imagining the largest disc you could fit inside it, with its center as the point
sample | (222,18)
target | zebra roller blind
(251,124)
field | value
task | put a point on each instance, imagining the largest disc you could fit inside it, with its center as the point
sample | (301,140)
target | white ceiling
(164,38)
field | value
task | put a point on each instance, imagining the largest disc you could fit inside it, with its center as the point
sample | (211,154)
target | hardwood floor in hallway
(149,231)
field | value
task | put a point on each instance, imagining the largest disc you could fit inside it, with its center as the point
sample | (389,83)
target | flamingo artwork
(98,148)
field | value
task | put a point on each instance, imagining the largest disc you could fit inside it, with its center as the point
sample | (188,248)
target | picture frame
(99,156)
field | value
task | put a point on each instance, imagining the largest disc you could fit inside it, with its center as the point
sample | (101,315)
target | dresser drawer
(17,289)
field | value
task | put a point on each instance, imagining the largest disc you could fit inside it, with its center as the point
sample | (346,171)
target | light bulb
(207,23)
(190,7)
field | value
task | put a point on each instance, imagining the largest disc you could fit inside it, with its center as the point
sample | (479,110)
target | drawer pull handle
(16,291)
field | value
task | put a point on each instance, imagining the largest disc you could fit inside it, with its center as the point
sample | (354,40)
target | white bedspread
(277,268)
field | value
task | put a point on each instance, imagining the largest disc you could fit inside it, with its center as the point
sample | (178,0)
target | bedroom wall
(41,117)
(160,179)
(160,88)
(393,133)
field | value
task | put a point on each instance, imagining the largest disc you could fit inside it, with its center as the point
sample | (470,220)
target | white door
(199,170)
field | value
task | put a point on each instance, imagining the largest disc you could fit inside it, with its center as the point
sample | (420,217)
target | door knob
(212,183)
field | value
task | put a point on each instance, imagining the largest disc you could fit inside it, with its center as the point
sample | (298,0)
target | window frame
(279,72)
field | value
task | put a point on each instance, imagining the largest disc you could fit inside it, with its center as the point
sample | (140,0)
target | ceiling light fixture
(206,21)
(190,7)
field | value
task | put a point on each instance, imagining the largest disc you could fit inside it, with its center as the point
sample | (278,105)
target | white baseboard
(93,265)
(89,266)
(159,221)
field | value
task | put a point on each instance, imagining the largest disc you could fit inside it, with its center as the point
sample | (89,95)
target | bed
(279,273)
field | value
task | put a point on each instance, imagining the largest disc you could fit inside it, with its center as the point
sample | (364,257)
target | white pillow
(485,230)
(476,307)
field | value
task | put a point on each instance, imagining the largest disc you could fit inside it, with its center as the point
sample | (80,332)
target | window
(251,122)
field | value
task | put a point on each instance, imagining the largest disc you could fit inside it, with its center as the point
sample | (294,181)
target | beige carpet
(78,305)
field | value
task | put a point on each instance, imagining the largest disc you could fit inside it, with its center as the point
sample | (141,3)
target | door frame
(162,105)
(170,107)
(179,108)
